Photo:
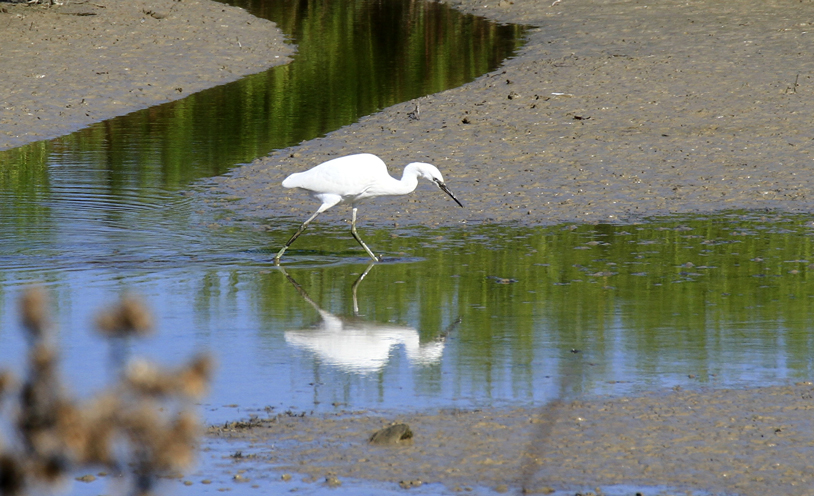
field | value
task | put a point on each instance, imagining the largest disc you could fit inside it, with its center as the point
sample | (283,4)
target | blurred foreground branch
(141,427)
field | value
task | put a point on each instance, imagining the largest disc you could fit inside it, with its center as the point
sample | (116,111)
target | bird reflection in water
(356,345)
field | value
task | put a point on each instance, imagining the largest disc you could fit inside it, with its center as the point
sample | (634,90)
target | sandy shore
(68,66)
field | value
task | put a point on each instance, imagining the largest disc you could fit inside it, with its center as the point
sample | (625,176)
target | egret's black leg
(295,236)
(356,236)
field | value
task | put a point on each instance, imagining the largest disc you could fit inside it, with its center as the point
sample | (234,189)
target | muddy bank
(613,110)
(749,442)
(67,66)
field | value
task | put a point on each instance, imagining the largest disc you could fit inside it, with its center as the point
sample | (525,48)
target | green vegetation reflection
(713,298)
(353,58)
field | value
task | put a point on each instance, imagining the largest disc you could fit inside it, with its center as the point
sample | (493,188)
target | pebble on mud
(409,484)
(393,434)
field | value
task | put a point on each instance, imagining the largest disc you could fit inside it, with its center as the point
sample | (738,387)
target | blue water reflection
(457,322)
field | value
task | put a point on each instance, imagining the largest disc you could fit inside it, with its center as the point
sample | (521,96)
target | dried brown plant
(33,311)
(130,317)
(12,478)
(145,424)
(7,382)
(190,380)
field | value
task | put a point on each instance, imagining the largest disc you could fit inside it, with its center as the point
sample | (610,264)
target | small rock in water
(407,484)
(392,435)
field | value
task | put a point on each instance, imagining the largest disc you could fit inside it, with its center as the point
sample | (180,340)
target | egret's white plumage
(353,179)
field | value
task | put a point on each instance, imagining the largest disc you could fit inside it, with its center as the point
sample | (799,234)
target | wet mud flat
(612,111)
(749,442)
(67,66)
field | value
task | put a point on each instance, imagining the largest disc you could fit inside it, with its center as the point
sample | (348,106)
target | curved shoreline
(613,111)
(66,67)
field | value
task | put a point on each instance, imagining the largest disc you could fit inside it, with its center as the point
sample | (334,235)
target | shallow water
(453,318)
(487,315)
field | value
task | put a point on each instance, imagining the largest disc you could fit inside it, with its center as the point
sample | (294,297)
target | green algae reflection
(700,300)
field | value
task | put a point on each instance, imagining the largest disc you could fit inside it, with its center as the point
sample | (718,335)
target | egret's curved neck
(409,179)
(392,186)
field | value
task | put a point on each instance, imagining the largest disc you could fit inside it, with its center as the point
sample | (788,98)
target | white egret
(353,179)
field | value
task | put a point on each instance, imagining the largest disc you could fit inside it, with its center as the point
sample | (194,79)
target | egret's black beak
(447,191)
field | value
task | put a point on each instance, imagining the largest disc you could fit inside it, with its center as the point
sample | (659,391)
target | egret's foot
(279,255)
